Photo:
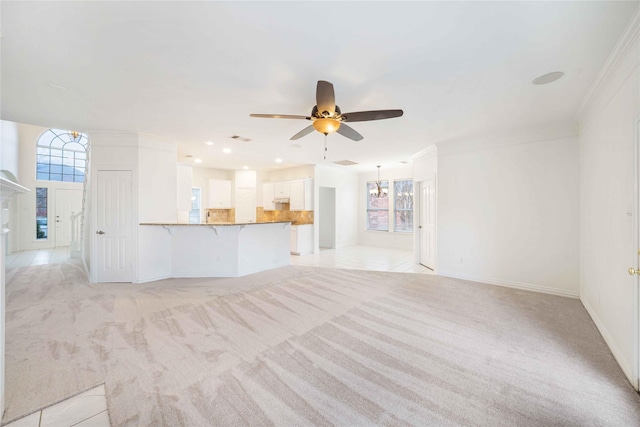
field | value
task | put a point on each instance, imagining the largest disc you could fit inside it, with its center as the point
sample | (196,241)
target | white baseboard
(617,354)
(86,269)
(153,278)
(516,285)
(196,275)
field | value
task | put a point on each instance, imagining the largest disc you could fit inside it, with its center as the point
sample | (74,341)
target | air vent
(240,138)
(345,163)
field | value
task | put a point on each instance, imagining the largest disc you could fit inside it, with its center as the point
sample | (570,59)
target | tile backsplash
(229,215)
(221,215)
(297,217)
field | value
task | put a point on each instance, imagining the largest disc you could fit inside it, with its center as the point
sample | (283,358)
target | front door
(114,227)
(68,202)
(428,223)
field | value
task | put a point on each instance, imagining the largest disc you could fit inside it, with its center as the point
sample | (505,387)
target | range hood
(281,200)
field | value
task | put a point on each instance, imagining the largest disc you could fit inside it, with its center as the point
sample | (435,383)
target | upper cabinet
(299,192)
(267,196)
(281,189)
(219,194)
(301,195)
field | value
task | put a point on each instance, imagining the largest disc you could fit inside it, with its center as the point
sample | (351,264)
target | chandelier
(379,191)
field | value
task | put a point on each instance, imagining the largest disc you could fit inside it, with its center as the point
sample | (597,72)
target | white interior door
(68,202)
(428,223)
(114,227)
(245,205)
(327,217)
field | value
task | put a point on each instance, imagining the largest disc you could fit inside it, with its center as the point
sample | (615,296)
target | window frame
(70,155)
(200,213)
(395,204)
(387,209)
(46,217)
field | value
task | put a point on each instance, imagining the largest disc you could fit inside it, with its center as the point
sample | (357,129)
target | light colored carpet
(310,346)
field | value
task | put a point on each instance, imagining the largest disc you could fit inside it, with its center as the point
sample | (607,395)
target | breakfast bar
(221,249)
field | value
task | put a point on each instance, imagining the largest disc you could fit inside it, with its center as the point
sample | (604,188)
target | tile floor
(363,258)
(89,409)
(37,257)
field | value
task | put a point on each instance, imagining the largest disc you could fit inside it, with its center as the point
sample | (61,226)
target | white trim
(617,354)
(636,236)
(86,269)
(153,278)
(433,148)
(508,137)
(510,284)
(628,38)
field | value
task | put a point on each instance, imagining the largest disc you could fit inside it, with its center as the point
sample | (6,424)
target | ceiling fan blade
(303,132)
(279,116)
(364,116)
(325,97)
(349,132)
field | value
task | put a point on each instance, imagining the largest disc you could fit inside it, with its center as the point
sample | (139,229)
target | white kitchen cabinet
(281,189)
(268,195)
(301,195)
(302,239)
(219,194)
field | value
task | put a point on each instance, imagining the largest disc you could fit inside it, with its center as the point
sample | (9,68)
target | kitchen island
(212,249)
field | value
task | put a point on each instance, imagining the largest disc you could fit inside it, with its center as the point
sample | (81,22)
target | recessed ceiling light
(278,160)
(226,150)
(245,167)
(197,160)
(548,78)
(209,143)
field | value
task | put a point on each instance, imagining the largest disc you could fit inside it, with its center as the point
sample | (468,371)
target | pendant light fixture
(75,136)
(379,192)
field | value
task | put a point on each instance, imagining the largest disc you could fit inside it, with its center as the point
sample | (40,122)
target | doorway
(68,202)
(114,227)
(427,224)
(327,217)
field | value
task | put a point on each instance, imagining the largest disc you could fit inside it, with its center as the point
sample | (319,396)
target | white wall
(289,174)
(9,147)
(157,179)
(345,182)
(326,217)
(607,245)
(508,209)
(201,177)
(9,162)
(157,196)
(387,239)
(184,185)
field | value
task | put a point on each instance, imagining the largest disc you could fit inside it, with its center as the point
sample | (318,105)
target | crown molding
(629,37)
(433,148)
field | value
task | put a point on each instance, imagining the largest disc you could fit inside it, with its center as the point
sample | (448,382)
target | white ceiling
(194,71)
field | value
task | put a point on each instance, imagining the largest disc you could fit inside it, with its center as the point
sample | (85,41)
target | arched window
(61,156)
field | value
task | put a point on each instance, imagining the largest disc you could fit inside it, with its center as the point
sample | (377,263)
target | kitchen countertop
(173,224)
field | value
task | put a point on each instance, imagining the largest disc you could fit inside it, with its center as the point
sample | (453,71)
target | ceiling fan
(327,117)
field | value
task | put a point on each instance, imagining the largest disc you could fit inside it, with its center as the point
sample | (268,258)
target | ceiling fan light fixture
(326,126)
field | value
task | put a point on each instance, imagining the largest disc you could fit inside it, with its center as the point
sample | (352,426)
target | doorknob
(633,271)
(100,232)
(419,226)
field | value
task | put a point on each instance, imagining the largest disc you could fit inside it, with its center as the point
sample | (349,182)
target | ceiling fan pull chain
(325,146)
